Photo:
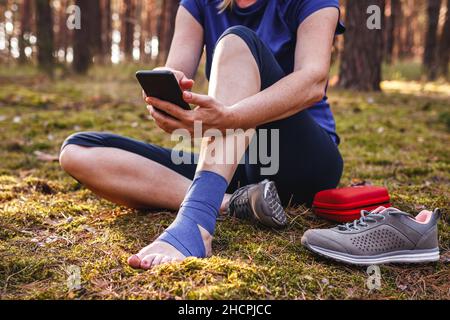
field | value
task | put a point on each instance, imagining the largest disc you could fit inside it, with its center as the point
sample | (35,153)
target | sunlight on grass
(416,87)
(398,138)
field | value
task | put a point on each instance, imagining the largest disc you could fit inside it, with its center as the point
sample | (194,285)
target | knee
(74,155)
(73,159)
(234,42)
(76,151)
(242,32)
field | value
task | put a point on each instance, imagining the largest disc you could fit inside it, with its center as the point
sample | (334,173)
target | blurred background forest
(118,31)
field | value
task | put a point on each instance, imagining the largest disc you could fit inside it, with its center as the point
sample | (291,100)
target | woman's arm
(305,86)
(186,48)
(292,94)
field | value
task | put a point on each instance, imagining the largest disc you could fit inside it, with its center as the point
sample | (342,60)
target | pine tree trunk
(166,28)
(3,55)
(25,28)
(106,36)
(128,23)
(402,30)
(44,33)
(363,48)
(408,21)
(140,20)
(430,54)
(82,56)
(7,35)
(151,27)
(63,37)
(95,27)
(444,48)
(392,29)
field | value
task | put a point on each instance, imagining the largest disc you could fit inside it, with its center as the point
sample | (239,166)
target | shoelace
(368,216)
(239,205)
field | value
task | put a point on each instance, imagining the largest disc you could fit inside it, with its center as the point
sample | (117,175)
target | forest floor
(49,223)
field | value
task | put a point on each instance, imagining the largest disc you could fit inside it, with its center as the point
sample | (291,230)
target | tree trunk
(410,22)
(8,36)
(128,22)
(95,27)
(160,28)
(444,49)
(408,26)
(3,55)
(82,55)
(44,33)
(430,54)
(106,36)
(392,29)
(63,32)
(363,48)
(150,28)
(140,20)
(400,45)
(25,29)
(166,28)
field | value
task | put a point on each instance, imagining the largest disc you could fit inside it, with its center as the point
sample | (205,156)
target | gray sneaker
(258,203)
(381,236)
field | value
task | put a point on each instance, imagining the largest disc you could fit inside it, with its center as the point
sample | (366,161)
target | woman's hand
(210,113)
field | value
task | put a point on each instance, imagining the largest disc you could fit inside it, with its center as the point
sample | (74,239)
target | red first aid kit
(345,205)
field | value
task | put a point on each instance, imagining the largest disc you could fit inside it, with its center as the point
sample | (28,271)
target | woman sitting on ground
(267,64)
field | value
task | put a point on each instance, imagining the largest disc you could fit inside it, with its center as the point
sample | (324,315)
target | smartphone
(162,84)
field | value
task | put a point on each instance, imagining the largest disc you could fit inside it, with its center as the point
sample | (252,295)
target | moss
(49,222)
(444,117)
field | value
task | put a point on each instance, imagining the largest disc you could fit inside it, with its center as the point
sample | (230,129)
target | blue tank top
(276,23)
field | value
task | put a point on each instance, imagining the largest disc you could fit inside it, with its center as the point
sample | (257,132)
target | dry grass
(49,222)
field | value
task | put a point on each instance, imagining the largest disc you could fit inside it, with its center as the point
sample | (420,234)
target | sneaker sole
(408,256)
(277,215)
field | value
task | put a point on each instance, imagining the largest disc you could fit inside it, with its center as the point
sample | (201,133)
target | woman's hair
(225,5)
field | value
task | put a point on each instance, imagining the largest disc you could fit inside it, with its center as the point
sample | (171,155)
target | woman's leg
(235,76)
(129,172)
(308,159)
(125,178)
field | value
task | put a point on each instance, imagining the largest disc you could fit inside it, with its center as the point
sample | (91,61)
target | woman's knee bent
(234,42)
(74,160)
(77,152)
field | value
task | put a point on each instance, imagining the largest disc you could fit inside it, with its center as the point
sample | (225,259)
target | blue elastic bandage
(200,208)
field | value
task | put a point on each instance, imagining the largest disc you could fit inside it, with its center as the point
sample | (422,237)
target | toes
(153,255)
(147,262)
(134,262)
(166,260)
(144,252)
(177,259)
(158,260)
(154,260)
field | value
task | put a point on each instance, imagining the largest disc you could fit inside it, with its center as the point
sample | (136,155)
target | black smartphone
(162,84)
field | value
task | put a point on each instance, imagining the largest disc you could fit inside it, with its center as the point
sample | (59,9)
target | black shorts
(309,159)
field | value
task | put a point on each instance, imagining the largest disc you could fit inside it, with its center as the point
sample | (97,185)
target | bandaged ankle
(200,208)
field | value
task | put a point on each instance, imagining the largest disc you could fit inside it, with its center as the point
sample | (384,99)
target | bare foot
(160,252)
